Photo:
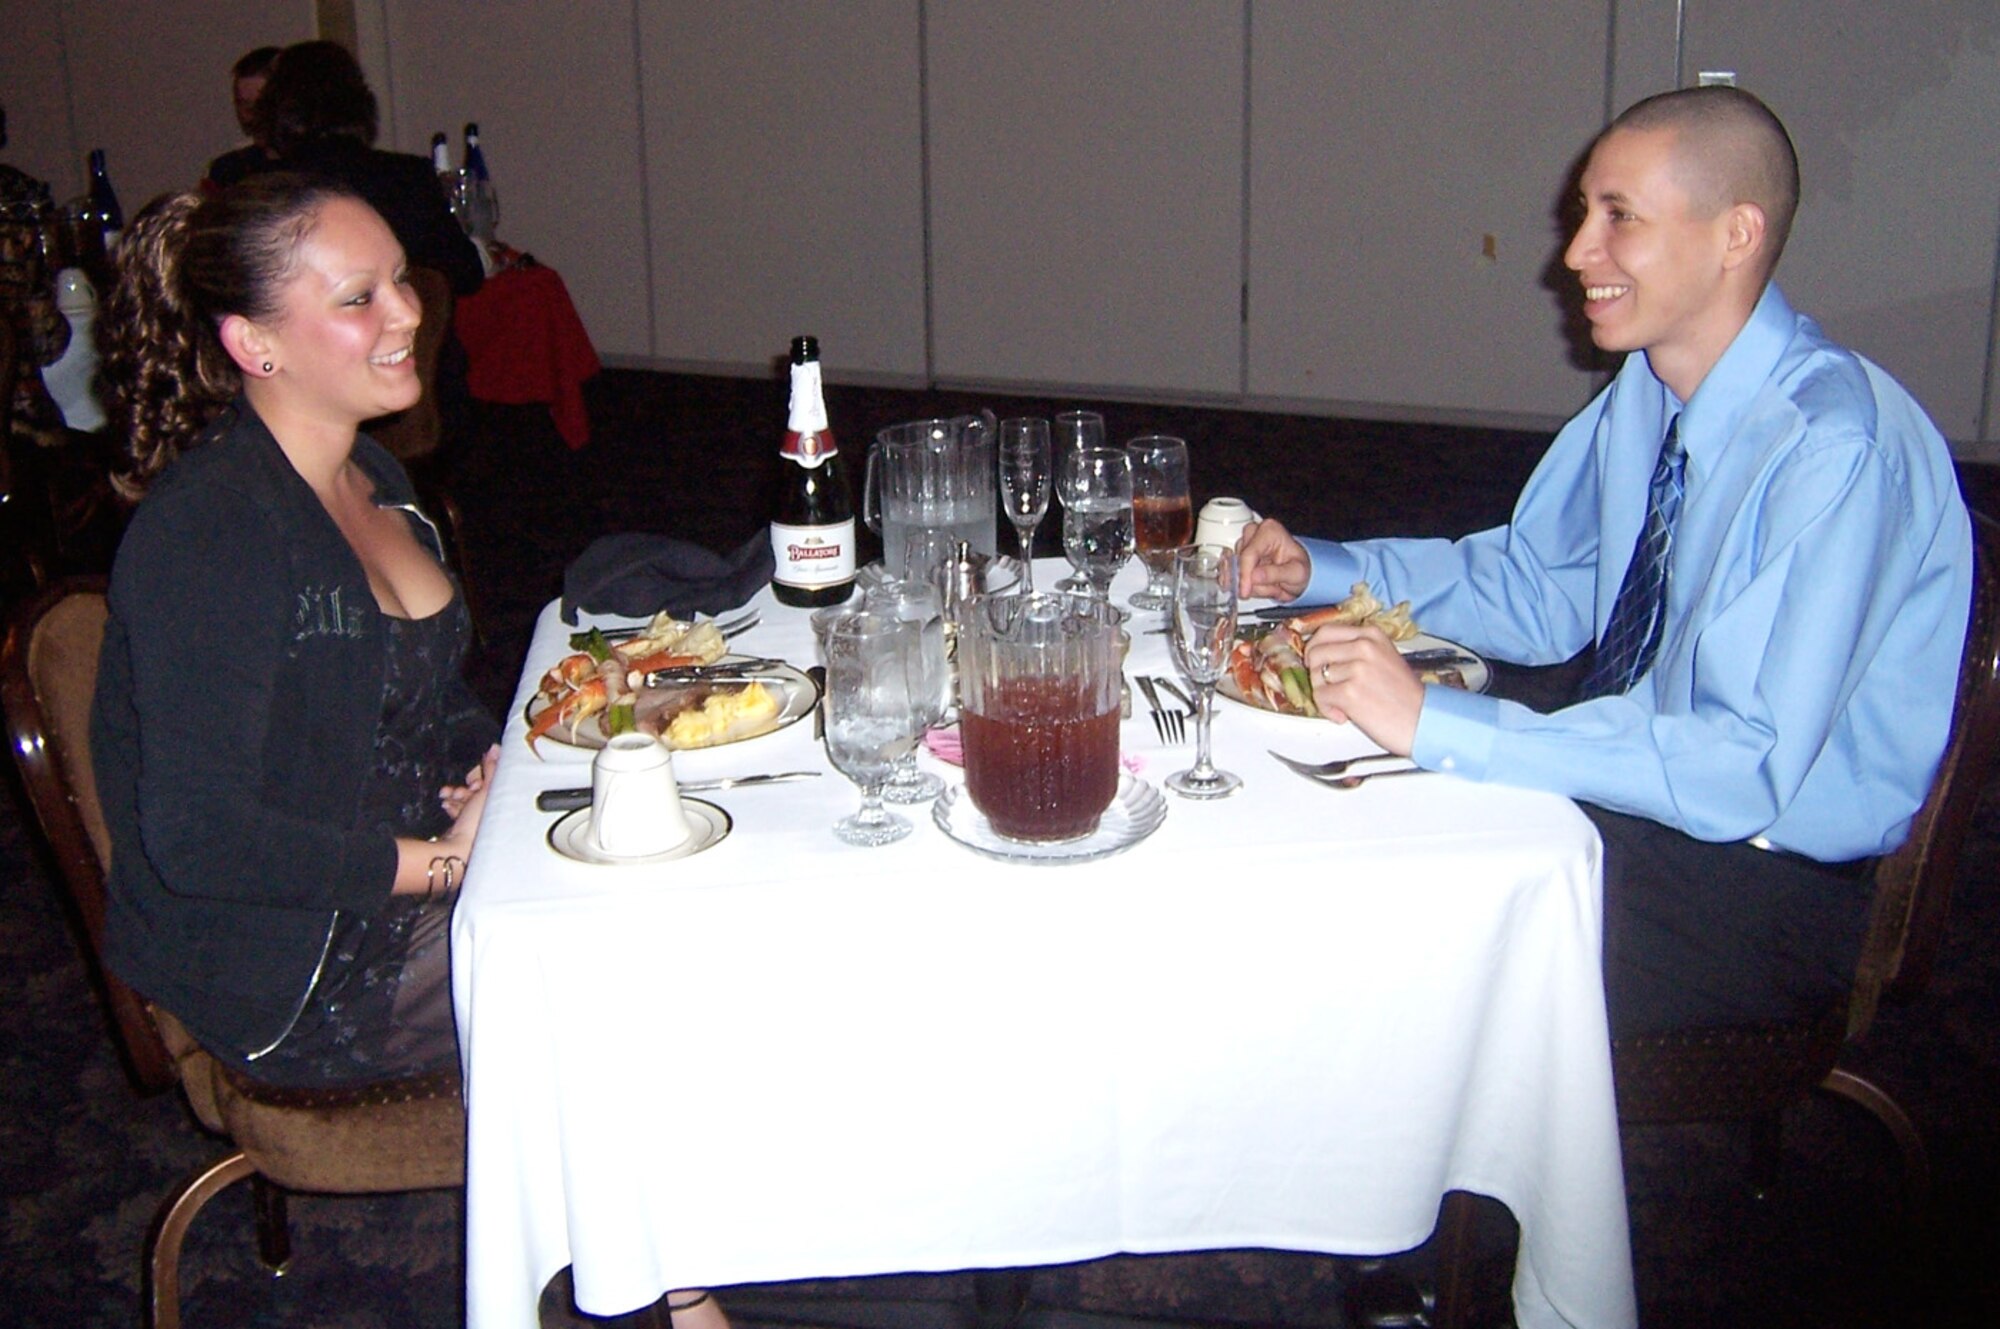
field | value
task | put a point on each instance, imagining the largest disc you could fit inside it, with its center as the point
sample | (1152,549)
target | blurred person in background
(28,301)
(319,116)
(247,79)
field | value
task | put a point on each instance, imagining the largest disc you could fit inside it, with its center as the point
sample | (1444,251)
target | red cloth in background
(525,343)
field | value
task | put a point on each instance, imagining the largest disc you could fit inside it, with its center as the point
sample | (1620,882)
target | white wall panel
(35,90)
(1894,109)
(1389,139)
(554,89)
(784,169)
(1086,193)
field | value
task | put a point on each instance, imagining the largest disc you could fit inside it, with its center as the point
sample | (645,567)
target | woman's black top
(238,735)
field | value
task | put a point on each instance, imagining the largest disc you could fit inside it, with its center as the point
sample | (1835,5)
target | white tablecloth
(1288,1019)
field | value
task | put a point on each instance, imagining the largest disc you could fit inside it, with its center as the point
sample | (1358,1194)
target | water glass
(1074,431)
(914,600)
(1024,483)
(1078,429)
(1162,512)
(1202,633)
(872,716)
(1097,516)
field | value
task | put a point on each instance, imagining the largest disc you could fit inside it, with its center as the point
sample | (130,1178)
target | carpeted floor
(83,1164)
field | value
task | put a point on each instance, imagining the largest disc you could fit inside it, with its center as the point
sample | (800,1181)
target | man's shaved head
(1729,148)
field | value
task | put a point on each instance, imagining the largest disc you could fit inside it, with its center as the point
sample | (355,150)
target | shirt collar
(1708,420)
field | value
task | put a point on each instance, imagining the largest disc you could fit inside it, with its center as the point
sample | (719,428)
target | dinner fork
(1168,723)
(1328,770)
(730,629)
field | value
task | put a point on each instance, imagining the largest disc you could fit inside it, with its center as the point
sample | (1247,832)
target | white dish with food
(1468,670)
(698,715)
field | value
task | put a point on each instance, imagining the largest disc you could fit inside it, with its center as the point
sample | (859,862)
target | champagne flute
(871,717)
(1024,484)
(1162,512)
(1097,517)
(1203,631)
(915,601)
(1075,431)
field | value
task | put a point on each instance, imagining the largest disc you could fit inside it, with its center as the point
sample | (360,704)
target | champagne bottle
(812,529)
(482,206)
(104,210)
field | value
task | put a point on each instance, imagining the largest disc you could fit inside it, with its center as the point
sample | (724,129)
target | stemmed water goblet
(872,718)
(1097,516)
(913,599)
(1074,431)
(1203,631)
(1162,512)
(1024,484)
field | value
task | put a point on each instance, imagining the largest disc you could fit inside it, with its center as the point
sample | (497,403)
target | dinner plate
(1136,811)
(1478,675)
(796,698)
(571,837)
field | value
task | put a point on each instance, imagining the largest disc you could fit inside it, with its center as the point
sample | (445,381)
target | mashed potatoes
(725,715)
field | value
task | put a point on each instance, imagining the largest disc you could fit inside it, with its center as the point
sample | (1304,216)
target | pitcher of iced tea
(1038,712)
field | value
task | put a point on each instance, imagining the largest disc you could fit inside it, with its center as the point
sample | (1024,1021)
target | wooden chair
(394,1136)
(1754,1072)
(415,433)
(21,545)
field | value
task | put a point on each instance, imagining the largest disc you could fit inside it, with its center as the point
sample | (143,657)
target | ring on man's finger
(1325,672)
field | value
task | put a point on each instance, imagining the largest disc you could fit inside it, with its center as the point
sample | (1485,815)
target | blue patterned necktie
(1638,617)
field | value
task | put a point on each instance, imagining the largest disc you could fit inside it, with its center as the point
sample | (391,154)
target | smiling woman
(290,764)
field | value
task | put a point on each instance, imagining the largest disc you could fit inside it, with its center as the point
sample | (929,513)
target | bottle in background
(482,203)
(105,213)
(441,154)
(812,528)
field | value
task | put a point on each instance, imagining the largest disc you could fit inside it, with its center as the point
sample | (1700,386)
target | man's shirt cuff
(1455,731)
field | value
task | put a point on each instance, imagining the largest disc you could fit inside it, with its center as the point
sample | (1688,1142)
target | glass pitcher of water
(932,474)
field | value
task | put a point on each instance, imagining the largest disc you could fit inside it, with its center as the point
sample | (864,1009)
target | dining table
(1289,1019)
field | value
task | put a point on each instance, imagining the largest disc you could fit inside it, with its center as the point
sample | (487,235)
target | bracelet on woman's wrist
(453,868)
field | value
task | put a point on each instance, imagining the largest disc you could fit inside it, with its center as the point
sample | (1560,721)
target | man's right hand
(1269,562)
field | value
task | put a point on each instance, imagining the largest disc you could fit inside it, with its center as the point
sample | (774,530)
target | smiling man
(1762,535)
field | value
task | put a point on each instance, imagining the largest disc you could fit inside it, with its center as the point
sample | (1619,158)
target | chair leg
(1000,1297)
(274,1235)
(163,1249)
(1455,1295)
(1767,1151)
(1909,1141)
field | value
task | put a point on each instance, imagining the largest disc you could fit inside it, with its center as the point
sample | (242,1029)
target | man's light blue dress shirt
(1822,574)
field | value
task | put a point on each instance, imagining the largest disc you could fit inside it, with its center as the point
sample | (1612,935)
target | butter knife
(569,800)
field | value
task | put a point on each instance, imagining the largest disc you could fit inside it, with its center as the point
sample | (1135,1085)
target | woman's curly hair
(187,262)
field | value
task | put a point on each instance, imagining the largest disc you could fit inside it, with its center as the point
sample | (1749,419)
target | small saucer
(571,837)
(1136,811)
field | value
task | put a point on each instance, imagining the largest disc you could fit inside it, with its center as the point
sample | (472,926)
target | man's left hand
(1357,674)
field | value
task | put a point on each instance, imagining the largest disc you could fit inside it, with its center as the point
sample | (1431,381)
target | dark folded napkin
(636,574)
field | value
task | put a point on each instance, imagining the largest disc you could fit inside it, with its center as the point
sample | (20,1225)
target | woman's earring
(269,367)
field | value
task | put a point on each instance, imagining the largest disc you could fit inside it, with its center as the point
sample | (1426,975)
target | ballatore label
(813,556)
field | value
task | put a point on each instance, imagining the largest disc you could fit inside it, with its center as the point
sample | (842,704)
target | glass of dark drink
(1162,512)
(1039,713)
